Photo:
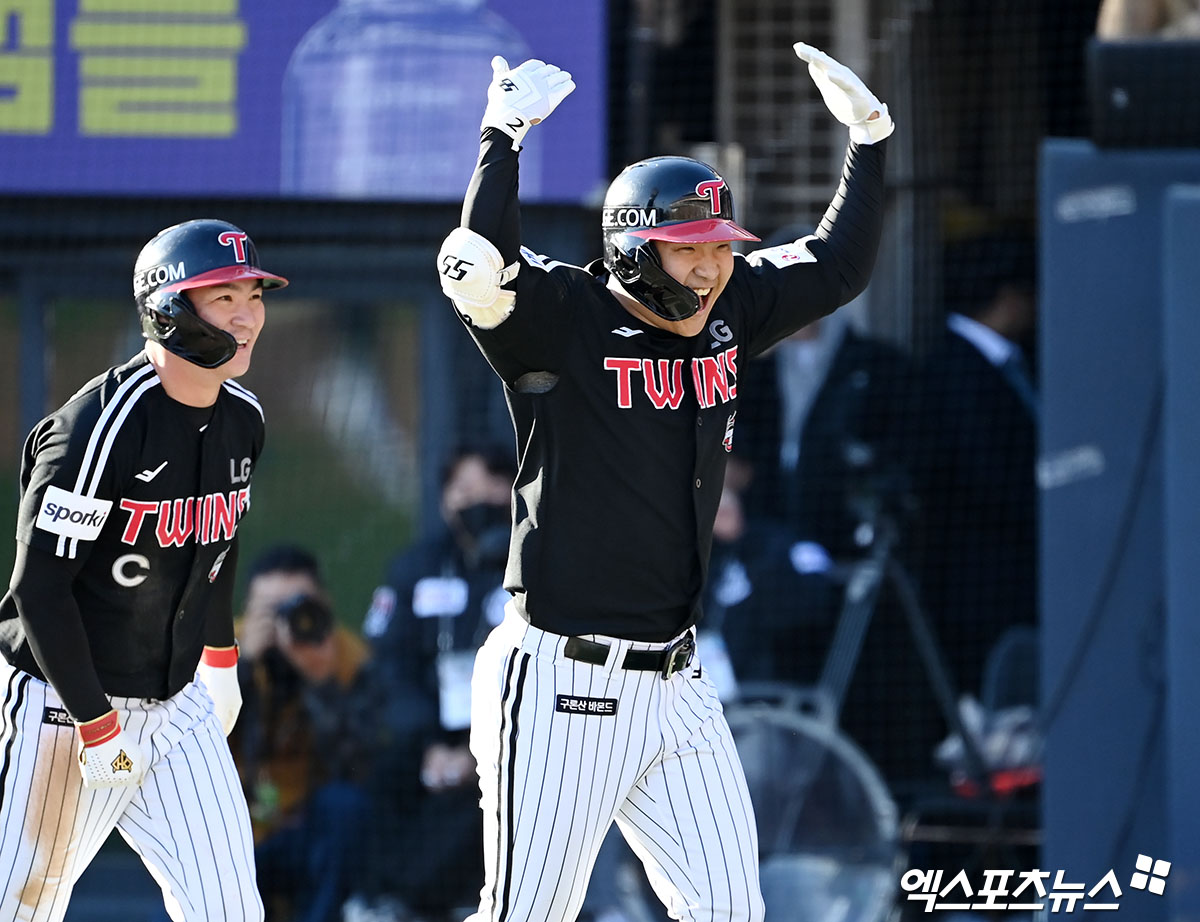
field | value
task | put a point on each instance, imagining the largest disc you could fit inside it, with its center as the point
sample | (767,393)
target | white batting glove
(846,96)
(523,96)
(218,672)
(108,756)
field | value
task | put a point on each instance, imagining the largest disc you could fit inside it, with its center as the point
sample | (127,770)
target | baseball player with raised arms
(118,677)
(589,702)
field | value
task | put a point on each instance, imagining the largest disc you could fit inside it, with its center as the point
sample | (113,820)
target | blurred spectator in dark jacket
(305,743)
(974,454)
(825,422)
(770,601)
(441,598)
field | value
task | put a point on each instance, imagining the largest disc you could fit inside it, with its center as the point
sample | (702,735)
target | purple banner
(363,99)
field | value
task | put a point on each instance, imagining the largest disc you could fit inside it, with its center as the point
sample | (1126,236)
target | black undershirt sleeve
(41,587)
(853,222)
(491,207)
(218,623)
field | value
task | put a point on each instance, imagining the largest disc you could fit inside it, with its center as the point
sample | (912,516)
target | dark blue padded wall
(1104,582)
(1181,445)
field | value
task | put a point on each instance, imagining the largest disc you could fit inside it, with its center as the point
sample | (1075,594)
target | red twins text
(208,518)
(714,379)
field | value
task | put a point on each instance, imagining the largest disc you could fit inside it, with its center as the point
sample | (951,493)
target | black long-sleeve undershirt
(849,230)
(853,222)
(491,207)
(41,587)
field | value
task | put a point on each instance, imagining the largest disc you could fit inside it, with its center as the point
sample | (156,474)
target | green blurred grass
(303,495)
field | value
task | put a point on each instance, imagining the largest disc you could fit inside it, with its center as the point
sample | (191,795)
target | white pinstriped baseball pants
(187,820)
(555,774)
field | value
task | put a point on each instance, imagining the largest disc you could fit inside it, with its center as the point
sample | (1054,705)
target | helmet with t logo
(674,199)
(191,255)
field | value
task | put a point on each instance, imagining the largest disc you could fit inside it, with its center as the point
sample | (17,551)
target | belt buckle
(679,655)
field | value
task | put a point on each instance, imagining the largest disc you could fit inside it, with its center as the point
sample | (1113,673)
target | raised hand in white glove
(523,96)
(108,756)
(846,96)
(218,672)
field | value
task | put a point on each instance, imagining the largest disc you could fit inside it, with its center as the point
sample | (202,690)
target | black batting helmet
(664,198)
(190,255)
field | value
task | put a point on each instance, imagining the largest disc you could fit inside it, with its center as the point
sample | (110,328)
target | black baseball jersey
(623,428)
(139,498)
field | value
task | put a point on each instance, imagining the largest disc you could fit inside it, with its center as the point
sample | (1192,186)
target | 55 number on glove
(108,756)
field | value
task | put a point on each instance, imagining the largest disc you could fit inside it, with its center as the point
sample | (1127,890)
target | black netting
(884,533)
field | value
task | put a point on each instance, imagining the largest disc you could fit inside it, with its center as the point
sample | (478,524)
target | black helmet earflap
(169,318)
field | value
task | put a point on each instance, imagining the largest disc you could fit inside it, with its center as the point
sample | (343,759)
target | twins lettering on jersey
(714,379)
(209,518)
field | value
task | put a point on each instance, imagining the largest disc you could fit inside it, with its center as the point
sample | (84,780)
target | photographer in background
(305,742)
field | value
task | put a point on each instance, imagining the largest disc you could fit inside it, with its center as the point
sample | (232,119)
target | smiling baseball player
(589,703)
(118,681)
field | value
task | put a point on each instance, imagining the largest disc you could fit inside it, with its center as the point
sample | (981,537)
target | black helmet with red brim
(671,199)
(190,255)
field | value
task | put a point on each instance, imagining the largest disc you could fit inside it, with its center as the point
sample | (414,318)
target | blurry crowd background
(876,550)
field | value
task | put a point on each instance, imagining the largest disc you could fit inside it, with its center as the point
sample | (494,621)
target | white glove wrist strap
(510,122)
(873,130)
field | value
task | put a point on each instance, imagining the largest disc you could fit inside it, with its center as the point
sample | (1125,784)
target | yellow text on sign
(157,77)
(26,66)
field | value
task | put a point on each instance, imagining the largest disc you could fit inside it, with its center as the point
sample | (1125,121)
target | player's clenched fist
(108,756)
(523,96)
(846,96)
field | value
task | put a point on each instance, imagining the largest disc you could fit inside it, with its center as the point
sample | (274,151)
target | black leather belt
(665,662)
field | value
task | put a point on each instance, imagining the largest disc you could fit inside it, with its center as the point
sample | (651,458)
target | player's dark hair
(498,459)
(285,558)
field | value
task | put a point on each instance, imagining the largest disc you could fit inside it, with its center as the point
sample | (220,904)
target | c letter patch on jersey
(72,515)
